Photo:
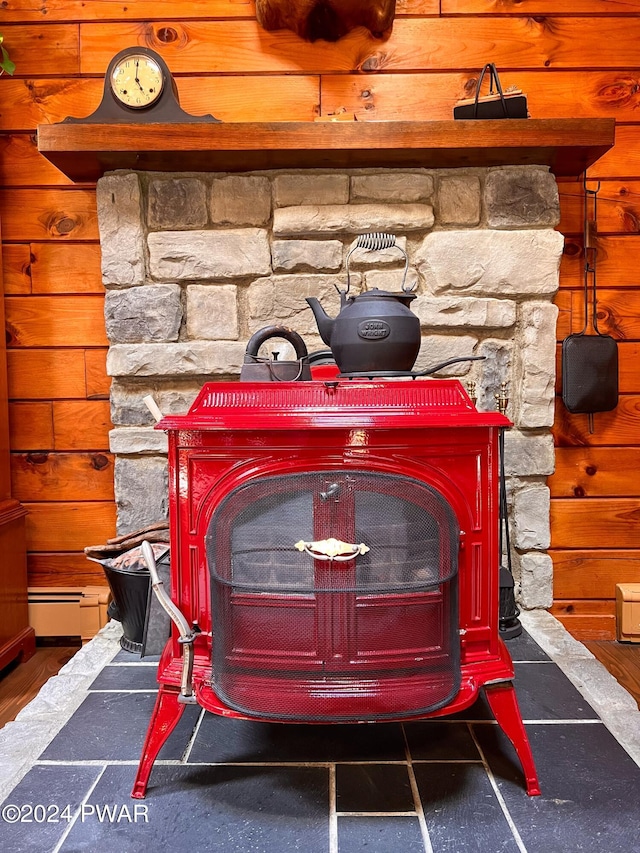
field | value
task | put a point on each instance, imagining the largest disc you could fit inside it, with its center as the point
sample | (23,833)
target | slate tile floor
(446,786)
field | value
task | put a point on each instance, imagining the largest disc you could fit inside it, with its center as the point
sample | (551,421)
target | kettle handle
(376,242)
(262,335)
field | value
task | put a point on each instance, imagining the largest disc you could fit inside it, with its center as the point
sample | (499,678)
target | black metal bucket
(130,591)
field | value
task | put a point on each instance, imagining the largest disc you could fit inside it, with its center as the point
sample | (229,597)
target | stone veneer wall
(193,264)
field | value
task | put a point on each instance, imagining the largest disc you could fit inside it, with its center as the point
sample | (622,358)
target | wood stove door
(279,608)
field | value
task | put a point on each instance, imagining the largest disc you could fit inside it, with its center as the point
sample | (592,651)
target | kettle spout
(325,323)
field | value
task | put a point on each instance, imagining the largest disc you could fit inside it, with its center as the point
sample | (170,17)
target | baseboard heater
(68,611)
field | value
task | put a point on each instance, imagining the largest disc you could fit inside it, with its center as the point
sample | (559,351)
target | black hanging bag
(590,361)
(497,104)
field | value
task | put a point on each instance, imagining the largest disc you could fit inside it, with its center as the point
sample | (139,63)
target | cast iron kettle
(257,369)
(375,332)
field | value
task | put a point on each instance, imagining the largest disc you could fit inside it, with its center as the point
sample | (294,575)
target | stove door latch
(332,549)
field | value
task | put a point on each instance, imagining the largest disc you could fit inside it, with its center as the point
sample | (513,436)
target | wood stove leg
(165,716)
(504,704)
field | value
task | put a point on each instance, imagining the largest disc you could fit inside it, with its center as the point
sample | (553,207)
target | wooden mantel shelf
(84,152)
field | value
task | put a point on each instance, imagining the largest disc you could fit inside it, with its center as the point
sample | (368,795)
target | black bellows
(590,360)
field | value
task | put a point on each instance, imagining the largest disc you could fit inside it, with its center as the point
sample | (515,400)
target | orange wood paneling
(618,206)
(618,428)
(31,425)
(66,268)
(550,94)
(586,619)
(16,11)
(229,47)
(104,10)
(587,472)
(42,49)
(563,302)
(540,7)
(616,260)
(595,523)
(618,312)
(16,269)
(623,158)
(94,417)
(237,98)
(48,214)
(41,374)
(593,574)
(582,607)
(389,97)
(11,537)
(66,568)
(21,164)
(27,103)
(62,476)
(55,321)
(415,44)
(53,425)
(69,526)
(98,383)
(557,94)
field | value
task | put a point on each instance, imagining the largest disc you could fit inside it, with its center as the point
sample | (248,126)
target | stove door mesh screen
(334,597)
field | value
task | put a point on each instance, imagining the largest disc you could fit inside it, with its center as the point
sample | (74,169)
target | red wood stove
(335,545)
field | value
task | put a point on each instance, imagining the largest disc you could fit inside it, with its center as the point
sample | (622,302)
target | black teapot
(375,332)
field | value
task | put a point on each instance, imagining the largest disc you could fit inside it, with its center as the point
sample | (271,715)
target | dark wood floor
(622,660)
(19,683)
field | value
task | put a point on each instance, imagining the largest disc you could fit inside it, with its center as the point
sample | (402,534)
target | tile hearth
(449,785)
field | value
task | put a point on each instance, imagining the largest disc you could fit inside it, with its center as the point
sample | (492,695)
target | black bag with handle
(497,104)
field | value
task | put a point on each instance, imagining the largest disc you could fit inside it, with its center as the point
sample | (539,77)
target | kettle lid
(374,293)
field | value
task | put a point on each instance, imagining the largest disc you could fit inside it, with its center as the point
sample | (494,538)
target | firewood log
(100,552)
(158,532)
(326,19)
(159,525)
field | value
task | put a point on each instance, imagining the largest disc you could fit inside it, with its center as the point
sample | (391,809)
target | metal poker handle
(187,634)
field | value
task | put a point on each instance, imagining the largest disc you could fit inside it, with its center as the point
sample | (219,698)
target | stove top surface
(335,402)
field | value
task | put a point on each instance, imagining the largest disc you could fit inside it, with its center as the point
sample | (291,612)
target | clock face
(137,81)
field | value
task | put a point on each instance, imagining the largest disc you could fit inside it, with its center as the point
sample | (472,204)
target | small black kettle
(376,331)
(256,369)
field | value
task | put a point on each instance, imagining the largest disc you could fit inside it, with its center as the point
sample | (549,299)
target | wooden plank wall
(572,57)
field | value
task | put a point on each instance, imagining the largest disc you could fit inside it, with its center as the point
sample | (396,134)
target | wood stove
(334,547)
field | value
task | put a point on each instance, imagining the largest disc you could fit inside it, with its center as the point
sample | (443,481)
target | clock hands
(136,77)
